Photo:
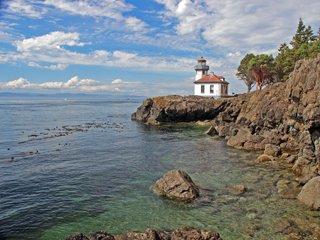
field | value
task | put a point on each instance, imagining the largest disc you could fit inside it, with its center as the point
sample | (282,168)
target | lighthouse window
(202,88)
(211,88)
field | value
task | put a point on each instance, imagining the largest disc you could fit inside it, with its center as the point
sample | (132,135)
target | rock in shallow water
(149,234)
(310,193)
(288,189)
(237,189)
(178,185)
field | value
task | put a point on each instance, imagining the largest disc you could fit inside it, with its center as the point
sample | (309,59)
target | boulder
(237,189)
(149,234)
(288,189)
(310,193)
(264,158)
(272,150)
(176,184)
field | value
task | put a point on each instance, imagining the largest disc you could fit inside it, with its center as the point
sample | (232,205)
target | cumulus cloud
(73,84)
(53,40)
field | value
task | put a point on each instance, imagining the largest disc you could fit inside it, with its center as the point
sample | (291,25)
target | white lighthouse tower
(201,68)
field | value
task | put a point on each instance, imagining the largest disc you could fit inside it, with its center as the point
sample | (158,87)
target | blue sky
(142,47)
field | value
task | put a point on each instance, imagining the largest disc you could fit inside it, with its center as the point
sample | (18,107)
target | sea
(78,163)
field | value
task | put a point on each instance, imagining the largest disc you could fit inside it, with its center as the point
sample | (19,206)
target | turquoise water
(96,175)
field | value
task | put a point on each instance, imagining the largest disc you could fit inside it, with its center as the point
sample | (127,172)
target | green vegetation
(263,69)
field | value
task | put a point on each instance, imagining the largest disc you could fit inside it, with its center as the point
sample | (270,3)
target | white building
(208,84)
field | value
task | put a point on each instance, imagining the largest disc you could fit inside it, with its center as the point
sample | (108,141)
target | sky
(137,47)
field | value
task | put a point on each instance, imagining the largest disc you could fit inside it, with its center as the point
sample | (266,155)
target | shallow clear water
(99,178)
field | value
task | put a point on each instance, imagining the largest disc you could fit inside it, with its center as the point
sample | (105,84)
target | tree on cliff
(303,45)
(257,69)
(264,69)
(243,72)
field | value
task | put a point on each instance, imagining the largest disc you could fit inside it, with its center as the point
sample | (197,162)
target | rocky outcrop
(283,119)
(310,193)
(178,185)
(149,234)
(176,109)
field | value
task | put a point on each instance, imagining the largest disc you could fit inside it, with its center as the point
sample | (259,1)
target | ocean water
(81,165)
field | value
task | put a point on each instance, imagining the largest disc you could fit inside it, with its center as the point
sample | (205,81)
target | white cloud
(241,25)
(93,8)
(73,84)
(54,40)
(117,81)
(53,67)
(18,83)
(135,25)
(24,8)
(48,51)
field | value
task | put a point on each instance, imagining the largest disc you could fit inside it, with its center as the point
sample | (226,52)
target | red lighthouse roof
(212,78)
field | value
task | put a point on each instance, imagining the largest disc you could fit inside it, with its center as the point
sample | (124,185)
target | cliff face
(284,114)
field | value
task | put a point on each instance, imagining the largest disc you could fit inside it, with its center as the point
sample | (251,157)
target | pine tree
(298,38)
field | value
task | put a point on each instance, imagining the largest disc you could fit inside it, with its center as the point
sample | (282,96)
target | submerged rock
(310,193)
(237,189)
(149,234)
(288,189)
(178,185)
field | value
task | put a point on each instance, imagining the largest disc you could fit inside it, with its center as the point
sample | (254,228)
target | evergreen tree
(298,38)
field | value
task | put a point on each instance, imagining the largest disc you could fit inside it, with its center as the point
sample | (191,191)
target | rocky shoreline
(150,234)
(283,120)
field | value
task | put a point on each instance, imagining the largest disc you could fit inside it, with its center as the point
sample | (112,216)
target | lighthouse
(209,84)
(201,68)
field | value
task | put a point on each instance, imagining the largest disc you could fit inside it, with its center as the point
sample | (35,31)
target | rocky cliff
(285,116)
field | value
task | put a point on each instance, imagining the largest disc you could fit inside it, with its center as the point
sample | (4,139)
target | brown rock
(272,150)
(237,189)
(310,193)
(178,185)
(288,189)
(264,158)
